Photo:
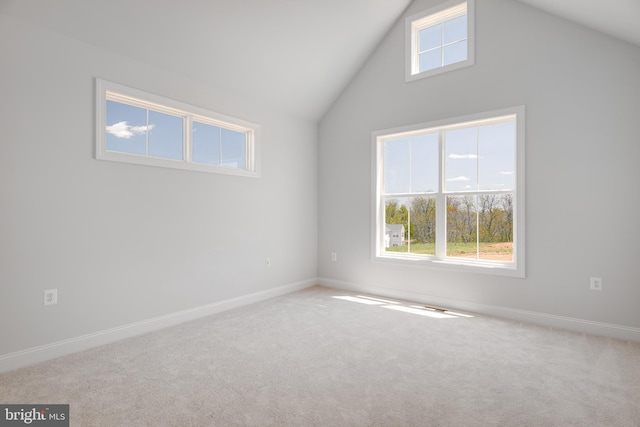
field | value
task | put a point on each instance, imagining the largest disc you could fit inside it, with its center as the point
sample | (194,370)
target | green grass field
(498,251)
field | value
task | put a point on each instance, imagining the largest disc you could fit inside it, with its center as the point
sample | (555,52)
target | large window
(439,39)
(452,193)
(138,127)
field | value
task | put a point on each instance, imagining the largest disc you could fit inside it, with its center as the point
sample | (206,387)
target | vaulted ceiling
(617,18)
(296,55)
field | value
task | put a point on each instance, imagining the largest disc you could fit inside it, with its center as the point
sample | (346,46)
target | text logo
(34,415)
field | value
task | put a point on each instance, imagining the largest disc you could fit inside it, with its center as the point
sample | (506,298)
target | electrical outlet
(267,262)
(334,256)
(50,296)
(595,283)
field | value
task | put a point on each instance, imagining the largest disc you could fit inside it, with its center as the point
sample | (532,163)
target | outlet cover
(50,296)
(595,283)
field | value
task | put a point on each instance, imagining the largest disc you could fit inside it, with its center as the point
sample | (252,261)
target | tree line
(486,217)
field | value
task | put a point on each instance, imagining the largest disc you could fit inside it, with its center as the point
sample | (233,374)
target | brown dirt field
(504,245)
(495,252)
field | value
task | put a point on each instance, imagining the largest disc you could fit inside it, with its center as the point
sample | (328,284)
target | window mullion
(409,228)
(441,201)
(147,134)
(415,50)
(247,152)
(220,146)
(410,201)
(442,45)
(477,192)
(187,135)
(477,226)
(381,221)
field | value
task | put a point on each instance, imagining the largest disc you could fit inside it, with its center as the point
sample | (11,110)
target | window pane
(396,162)
(430,60)
(396,222)
(165,135)
(430,38)
(455,29)
(456,52)
(206,143)
(234,149)
(495,227)
(126,128)
(424,163)
(461,160)
(422,225)
(497,156)
(462,220)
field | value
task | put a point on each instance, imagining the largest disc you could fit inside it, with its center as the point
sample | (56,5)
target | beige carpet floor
(311,359)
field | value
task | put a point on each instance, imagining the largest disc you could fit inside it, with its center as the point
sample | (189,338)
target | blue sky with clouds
(476,159)
(144,132)
(140,131)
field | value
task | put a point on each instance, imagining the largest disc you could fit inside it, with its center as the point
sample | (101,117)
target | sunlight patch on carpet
(420,310)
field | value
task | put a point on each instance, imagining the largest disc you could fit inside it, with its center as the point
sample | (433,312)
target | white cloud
(123,130)
(463,156)
(458,178)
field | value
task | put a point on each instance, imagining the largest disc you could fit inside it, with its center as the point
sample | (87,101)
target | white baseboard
(558,322)
(42,353)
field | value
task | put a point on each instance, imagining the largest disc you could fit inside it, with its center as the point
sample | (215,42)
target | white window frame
(106,90)
(514,268)
(428,18)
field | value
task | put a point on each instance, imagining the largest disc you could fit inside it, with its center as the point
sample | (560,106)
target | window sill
(434,72)
(495,268)
(174,164)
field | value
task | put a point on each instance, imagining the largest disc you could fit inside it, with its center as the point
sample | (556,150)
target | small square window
(439,39)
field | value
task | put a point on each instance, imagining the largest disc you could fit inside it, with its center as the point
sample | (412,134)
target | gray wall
(581,90)
(124,243)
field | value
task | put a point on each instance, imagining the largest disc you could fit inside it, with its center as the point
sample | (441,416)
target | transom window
(440,39)
(452,193)
(138,127)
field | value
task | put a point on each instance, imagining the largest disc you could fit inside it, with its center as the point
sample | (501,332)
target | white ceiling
(617,18)
(296,55)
